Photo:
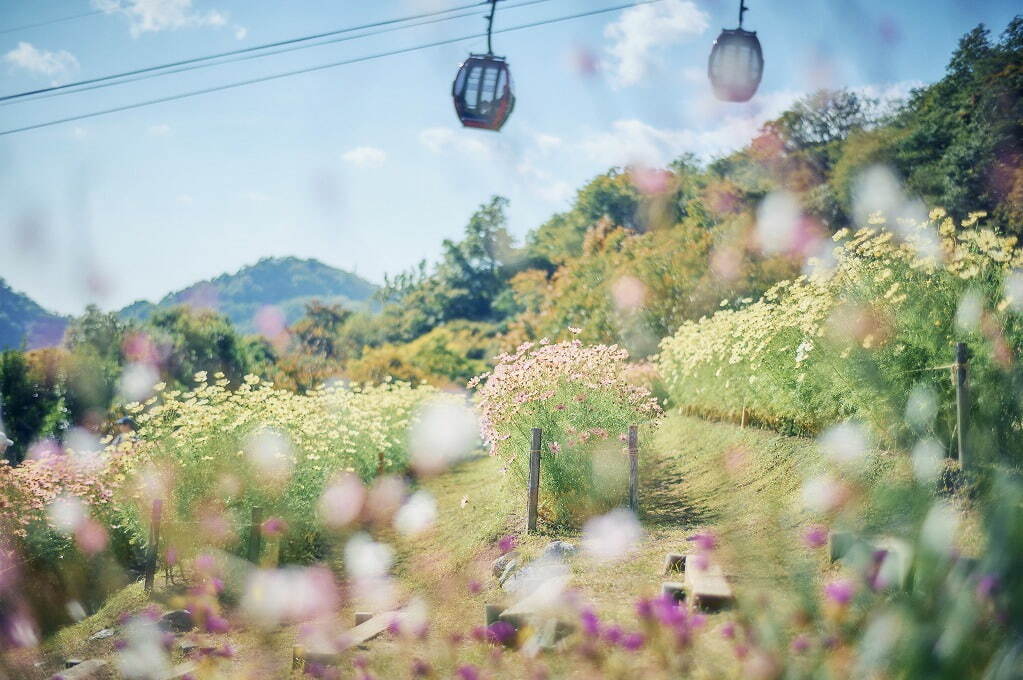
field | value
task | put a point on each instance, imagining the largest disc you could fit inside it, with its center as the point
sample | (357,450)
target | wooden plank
(533,491)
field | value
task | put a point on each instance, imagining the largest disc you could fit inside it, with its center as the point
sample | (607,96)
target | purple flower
(273,526)
(815,536)
(475,587)
(705,541)
(800,644)
(986,586)
(632,642)
(644,608)
(840,591)
(613,634)
(468,672)
(501,633)
(420,669)
(728,631)
(216,624)
(507,544)
(590,622)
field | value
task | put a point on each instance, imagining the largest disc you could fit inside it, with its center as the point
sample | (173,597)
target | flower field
(211,454)
(580,398)
(867,333)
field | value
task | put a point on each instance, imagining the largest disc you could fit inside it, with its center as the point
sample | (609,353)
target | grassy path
(695,475)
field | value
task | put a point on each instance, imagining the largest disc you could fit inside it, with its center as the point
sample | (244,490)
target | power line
(321,67)
(25,27)
(169,69)
(243,50)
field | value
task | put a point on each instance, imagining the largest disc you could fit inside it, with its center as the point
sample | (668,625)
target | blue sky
(364,166)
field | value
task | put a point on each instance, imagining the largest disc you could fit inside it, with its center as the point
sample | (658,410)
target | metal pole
(962,400)
(534,480)
(634,468)
(154,544)
(490,25)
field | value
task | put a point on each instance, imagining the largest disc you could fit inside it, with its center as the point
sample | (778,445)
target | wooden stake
(256,535)
(634,468)
(534,481)
(154,545)
(962,400)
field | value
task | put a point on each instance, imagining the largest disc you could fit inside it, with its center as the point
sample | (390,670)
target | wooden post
(154,545)
(256,535)
(634,468)
(962,401)
(534,481)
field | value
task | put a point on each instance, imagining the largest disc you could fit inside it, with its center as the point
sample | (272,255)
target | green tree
(198,340)
(29,408)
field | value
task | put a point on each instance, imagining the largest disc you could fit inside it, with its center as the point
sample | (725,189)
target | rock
(560,550)
(177,621)
(102,634)
(93,669)
(498,566)
(491,612)
(509,569)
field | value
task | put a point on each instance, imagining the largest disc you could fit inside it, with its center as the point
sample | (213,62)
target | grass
(696,475)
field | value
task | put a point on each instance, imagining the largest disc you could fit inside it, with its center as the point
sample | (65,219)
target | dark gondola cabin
(482,92)
(736,63)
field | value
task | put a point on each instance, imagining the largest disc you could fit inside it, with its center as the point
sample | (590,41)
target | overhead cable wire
(243,50)
(321,67)
(58,20)
(158,71)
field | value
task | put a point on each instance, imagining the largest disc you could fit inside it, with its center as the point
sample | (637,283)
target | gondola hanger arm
(742,10)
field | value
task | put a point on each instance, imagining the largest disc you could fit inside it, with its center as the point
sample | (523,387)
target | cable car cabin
(736,65)
(482,92)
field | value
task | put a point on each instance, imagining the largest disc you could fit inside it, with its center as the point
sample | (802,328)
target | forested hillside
(24,323)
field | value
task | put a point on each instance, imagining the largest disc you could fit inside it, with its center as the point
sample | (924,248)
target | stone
(676,590)
(356,637)
(509,570)
(177,621)
(92,669)
(547,637)
(560,550)
(707,587)
(674,562)
(491,613)
(499,565)
(102,634)
(541,601)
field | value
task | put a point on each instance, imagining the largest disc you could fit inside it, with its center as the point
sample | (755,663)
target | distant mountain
(286,283)
(23,321)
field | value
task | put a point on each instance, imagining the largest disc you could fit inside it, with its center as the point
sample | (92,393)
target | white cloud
(440,139)
(365,157)
(547,142)
(160,15)
(240,32)
(640,30)
(55,65)
(185,199)
(256,197)
(160,130)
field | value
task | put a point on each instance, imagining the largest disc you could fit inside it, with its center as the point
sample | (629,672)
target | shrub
(579,397)
(868,336)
